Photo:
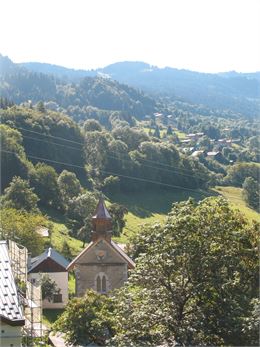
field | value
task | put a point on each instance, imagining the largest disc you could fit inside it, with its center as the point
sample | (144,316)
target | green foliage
(20,226)
(44,180)
(49,288)
(117,212)
(80,211)
(69,185)
(237,173)
(66,251)
(194,280)
(20,196)
(14,163)
(51,125)
(251,192)
(87,320)
(40,107)
(92,125)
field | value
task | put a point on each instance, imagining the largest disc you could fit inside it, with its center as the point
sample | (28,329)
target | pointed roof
(111,244)
(49,253)
(101,211)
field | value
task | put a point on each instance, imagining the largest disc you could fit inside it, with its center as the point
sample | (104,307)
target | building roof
(101,211)
(197,153)
(112,244)
(49,253)
(212,154)
(10,308)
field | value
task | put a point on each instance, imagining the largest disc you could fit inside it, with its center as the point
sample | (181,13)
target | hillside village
(128,217)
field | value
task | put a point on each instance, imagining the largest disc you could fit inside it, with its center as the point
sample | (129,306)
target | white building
(54,265)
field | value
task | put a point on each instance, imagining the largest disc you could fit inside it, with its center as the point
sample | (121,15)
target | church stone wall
(86,276)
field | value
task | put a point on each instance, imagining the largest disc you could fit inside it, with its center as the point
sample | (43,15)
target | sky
(199,35)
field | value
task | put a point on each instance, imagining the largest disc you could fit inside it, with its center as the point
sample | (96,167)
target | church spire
(101,222)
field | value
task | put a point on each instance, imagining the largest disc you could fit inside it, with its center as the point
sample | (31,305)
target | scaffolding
(30,294)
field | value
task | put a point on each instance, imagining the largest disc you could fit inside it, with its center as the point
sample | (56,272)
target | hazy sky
(201,35)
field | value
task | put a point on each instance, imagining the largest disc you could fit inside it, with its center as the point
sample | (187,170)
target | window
(57,298)
(101,283)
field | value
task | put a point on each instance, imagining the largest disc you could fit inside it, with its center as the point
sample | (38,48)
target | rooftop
(49,253)
(10,308)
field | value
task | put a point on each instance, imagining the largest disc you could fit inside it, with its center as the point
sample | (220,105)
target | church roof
(112,244)
(10,308)
(49,253)
(101,211)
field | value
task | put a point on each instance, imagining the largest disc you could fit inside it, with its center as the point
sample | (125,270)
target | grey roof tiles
(10,308)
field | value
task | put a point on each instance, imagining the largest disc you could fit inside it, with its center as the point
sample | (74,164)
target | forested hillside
(65,141)
(238,92)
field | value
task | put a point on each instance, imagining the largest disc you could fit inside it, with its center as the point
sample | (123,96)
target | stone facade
(102,265)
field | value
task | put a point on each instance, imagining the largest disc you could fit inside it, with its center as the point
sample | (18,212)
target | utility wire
(203,192)
(117,158)
(116,174)
(81,144)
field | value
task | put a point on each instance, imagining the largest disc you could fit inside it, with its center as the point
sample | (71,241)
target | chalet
(54,265)
(214,155)
(102,265)
(12,319)
(196,154)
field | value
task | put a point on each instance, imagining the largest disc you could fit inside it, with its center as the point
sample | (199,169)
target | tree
(157,132)
(13,158)
(49,288)
(117,212)
(251,192)
(20,226)
(92,125)
(20,196)
(40,107)
(87,320)
(194,280)
(169,131)
(44,179)
(80,211)
(69,185)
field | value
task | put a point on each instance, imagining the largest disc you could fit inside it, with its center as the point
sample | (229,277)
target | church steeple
(101,222)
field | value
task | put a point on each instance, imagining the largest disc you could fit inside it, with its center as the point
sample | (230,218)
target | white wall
(10,336)
(61,279)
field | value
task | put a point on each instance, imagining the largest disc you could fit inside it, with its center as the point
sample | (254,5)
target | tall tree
(194,281)
(20,196)
(251,192)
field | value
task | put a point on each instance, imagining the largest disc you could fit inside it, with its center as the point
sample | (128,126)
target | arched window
(98,284)
(101,283)
(104,284)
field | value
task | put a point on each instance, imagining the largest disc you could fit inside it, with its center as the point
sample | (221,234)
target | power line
(55,137)
(203,192)
(81,144)
(117,158)
(116,174)
(173,170)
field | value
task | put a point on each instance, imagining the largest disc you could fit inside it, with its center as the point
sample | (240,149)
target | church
(102,265)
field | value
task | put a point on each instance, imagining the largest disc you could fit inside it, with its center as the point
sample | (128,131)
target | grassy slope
(146,207)
(234,195)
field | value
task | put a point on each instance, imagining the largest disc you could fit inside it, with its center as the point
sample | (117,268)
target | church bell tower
(101,223)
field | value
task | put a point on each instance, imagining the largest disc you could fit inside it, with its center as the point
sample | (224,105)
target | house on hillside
(214,155)
(102,265)
(12,319)
(54,265)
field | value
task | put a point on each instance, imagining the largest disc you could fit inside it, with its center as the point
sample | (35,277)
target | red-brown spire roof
(101,211)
